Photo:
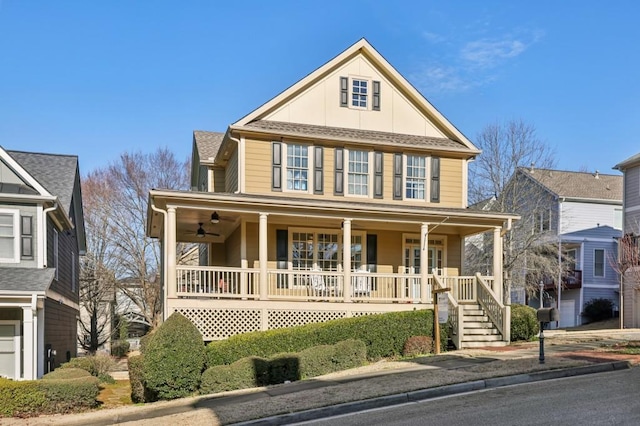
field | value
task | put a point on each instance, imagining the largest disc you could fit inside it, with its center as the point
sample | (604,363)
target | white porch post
(497,263)
(244,264)
(262,256)
(29,354)
(170,247)
(346,258)
(424,263)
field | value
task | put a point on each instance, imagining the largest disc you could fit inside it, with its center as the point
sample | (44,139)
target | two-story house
(579,217)
(630,169)
(41,238)
(345,195)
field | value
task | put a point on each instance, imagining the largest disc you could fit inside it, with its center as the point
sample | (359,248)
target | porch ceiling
(193,208)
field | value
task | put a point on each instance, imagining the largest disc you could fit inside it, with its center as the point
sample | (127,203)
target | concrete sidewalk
(376,385)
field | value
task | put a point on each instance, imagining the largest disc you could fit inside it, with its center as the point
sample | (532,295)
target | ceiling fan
(201,233)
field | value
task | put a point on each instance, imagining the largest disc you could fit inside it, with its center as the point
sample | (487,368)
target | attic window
(359,93)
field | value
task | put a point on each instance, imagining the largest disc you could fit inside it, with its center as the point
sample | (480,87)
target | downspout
(561,202)
(165,309)
(45,212)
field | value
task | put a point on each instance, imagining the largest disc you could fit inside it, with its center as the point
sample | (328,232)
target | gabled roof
(56,173)
(25,279)
(207,144)
(577,185)
(362,47)
(352,135)
(634,160)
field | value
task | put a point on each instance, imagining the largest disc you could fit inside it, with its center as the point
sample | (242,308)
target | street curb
(424,394)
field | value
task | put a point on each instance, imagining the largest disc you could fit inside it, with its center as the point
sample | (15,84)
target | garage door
(8,350)
(567,313)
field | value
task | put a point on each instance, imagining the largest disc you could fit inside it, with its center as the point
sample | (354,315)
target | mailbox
(548,315)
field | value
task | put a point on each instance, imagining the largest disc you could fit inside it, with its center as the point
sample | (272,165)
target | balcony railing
(310,285)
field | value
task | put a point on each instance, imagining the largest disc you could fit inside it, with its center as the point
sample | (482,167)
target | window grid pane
(359,93)
(297,167)
(328,252)
(358,178)
(7,236)
(416,177)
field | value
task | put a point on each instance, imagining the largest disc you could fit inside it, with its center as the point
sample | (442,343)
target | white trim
(241,166)
(285,143)
(631,209)
(369,82)
(23,174)
(430,237)
(40,237)
(370,173)
(54,295)
(613,286)
(16,345)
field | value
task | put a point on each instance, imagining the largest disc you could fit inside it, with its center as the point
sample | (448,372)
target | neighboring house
(580,215)
(41,238)
(351,153)
(630,169)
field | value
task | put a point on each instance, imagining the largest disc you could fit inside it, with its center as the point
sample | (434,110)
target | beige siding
(218,254)
(451,184)
(454,252)
(231,173)
(252,243)
(257,167)
(389,251)
(233,248)
(218,176)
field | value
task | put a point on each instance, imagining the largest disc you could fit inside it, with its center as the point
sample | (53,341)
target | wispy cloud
(468,64)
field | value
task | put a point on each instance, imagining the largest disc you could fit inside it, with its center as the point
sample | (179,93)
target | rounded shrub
(244,373)
(598,309)
(174,359)
(97,365)
(119,348)
(66,374)
(524,323)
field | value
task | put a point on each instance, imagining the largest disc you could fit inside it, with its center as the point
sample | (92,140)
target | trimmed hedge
(49,396)
(66,374)
(255,371)
(98,365)
(173,359)
(524,323)
(136,380)
(383,334)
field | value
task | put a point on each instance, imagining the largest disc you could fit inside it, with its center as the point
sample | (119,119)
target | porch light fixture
(215,218)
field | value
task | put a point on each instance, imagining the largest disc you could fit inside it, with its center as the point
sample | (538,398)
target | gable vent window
(26,237)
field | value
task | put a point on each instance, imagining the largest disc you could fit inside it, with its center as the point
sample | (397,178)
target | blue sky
(97,78)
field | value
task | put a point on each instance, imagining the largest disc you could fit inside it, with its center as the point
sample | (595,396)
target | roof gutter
(240,163)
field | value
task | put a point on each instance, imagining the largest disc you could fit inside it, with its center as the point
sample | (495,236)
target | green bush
(245,373)
(49,396)
(254,371)
(383,334)
(598,309)
(66,373)
(98,365)
(524,323)
(174,359)
(417,345)
(136,379)
(120,348)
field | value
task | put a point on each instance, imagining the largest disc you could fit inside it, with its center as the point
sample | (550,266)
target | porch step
(481,331)
(469,345)
(478,329)
(482,338)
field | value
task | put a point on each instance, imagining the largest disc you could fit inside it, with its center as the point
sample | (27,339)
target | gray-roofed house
(345,195)
(580,213)
(41,239)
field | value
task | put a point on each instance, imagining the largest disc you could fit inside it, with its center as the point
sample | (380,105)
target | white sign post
(443,308)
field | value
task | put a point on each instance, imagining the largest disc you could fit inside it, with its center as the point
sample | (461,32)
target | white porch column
(29,353)
(424,263)
(262,257)
(497,263)
(244,263)
(170,247)
(346,258)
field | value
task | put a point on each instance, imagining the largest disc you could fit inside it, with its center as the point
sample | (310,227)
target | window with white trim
(297,167)
(358,173)
(416,173)
(359,93)
(9,241)
(598,263)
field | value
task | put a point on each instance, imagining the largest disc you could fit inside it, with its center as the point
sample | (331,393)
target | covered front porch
(264,263)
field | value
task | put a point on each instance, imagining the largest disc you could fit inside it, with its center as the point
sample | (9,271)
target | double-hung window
(598,263)
(358,173)
(9,241)
(416,177)
(297,167)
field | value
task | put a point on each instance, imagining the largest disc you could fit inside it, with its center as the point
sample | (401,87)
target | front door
(412,257)
(9,350)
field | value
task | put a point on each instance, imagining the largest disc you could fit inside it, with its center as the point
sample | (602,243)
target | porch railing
(492,306)
(211,281)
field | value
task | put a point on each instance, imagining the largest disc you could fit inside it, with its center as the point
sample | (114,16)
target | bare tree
(134,258)
(495,183)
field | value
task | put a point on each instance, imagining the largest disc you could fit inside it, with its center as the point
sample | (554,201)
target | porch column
(262,256)
(424,263)
(170,247)
(497,263)
(346,258)
(29,354)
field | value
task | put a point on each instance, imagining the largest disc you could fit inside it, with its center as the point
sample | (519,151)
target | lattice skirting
(216,324)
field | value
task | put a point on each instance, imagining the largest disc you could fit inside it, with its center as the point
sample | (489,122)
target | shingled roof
(579,185)
(354,135)
(25,279)
(55,172)
(208,143)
